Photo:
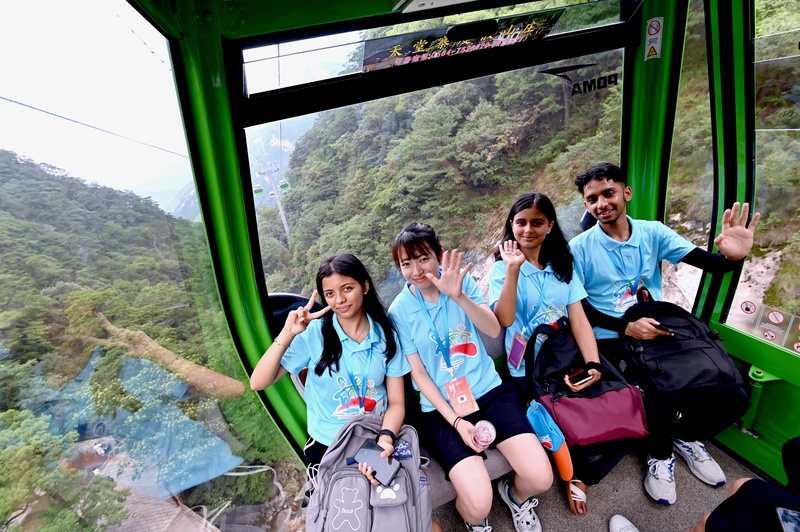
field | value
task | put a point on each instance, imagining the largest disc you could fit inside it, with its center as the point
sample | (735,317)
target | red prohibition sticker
(748,307)
(769,335)
(775,317)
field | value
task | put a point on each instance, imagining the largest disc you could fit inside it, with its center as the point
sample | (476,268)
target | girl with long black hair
(350,350)
(531,283)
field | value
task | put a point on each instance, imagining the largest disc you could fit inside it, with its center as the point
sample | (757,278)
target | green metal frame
(730,32)
(197,31)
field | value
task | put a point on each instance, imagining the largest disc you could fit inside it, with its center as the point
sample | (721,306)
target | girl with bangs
(438,314)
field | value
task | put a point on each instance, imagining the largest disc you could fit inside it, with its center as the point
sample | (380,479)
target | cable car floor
(621,492)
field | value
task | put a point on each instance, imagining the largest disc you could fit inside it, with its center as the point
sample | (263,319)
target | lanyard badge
(520,341)
(364,380)
(458,390)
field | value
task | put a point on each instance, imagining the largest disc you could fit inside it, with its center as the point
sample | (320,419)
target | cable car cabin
(381,112)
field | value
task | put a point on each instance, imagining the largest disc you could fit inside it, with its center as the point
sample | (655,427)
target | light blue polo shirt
(330,399)
(468,356)
(608,268)
(531,281)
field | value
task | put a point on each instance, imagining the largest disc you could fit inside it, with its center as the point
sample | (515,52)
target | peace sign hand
(297,321)
(452,276)
(736,239)
(511,254)
(136,344)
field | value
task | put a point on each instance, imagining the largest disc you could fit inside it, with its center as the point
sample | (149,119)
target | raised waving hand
(269,369)
(736,239)
(511,254)
(452,275)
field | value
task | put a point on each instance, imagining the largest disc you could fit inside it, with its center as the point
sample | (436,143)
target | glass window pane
(452,156)
(767,300)
(778,93)
(691,178)
(137,422)
(305,61)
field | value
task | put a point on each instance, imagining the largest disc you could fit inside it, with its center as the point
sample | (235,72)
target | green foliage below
(68,249)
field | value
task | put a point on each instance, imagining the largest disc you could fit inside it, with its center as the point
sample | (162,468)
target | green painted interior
(196,31)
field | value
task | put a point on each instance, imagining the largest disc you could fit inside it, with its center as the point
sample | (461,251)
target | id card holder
(517,353)
(461,398)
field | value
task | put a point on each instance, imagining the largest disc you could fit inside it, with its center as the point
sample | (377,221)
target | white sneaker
(660,480)
(700,462)
(525,519)
(619,523)
(483,527)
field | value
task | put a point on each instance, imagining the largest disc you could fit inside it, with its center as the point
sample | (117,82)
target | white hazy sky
(97,62)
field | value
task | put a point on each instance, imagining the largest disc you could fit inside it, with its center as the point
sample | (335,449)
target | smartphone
(579,376)
(383,469)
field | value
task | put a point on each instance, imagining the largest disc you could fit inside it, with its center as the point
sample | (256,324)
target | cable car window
(691,179)
(453,156)
(767,301)
(297,62)
(130,418)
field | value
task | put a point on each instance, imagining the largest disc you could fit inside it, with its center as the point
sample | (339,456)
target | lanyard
(444,345)
(346,358)
(538,303)
(624,273)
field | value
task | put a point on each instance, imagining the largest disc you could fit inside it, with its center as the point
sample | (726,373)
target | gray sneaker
(525,519)
(660,480)
(700,462)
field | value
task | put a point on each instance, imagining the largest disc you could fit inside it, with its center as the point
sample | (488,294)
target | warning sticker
(772,325)
(655,30)
(792,340)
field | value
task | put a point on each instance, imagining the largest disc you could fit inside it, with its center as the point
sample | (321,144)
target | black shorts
(500,406)
(754,506)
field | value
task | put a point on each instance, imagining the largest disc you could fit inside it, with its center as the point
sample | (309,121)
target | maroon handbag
(610,409)
(614,415)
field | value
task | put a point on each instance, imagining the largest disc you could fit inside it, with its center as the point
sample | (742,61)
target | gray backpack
(345,501)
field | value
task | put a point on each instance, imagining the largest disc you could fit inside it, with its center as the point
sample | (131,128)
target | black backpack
(558,356)
(692,364)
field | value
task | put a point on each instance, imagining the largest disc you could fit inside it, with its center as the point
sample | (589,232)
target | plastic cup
(484,434)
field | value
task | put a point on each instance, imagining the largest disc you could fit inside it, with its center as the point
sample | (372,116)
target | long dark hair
(348,265)
(555,248)
(416,240)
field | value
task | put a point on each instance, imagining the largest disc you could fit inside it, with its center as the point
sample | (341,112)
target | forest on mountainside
(67,249)
(455,156)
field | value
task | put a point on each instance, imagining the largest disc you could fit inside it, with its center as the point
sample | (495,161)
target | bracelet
(276,342)
(594,365)
(387,432)
(455,422)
